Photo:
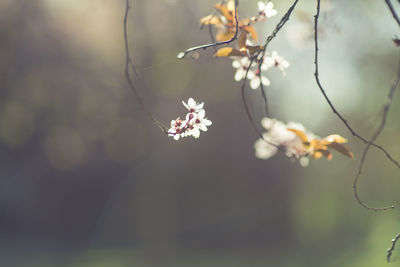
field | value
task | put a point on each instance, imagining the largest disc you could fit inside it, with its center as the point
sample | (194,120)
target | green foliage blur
(87,180)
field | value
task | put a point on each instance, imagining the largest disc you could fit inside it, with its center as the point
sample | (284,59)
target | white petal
(176,136)
(267,123)
(261,6)
(201,114)
(191,102)
(271,13)
(200,106)
(239,74)
(203,127)
(206,122)
(265,81)
(251,75)
(236,64)
(195,133)
(255,83)
(269,61)
(264,67)
(304,161)
(269,6)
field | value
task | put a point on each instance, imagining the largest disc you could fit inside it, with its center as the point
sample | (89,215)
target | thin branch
(278,27)
(374,137)
(394,14)
(264,96)
(355,134)
(391,249)
(248,113)
(213,44)
(130,66)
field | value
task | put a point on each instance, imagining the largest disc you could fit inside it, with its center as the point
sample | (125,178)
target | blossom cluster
(194,122)
(296,142)
(254,72)
(250,61)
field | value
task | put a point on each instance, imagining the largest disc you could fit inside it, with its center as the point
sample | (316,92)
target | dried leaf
(225,35)
(228,52)
(223,9)
(242,41)
(252,31)
(210,19)
(303,137)
(341,149)
(254,49)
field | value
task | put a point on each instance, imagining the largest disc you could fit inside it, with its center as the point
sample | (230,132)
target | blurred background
(87,180)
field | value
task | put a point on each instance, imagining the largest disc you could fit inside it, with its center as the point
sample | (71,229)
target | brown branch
(214,44)
(394,14)
(391,249)
(374,137)
(130,66)
(354,133)
(278,27)
(248,113)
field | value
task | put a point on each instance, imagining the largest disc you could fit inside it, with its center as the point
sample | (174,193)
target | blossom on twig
(194,123)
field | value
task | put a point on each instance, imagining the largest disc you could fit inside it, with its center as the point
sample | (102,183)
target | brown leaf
(341,149)
(252,32)
(303,137)
(254,49)
(228,52)
(210,19)
(225,35)
(223,9)
(242,41)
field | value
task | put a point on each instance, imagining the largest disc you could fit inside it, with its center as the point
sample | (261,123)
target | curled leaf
(341,149)
(228,52)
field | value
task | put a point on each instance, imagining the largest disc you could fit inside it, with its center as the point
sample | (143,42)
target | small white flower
(278,134)
(176,128)
(264,150)
(201,121)
(266,9)
(275,60)
(194,123)
(242,67)
(193,106)
(256,79)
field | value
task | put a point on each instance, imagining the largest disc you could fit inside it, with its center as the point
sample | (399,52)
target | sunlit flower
(193,106)
(195,122)
(242,65)
(275,60)
(266,9)
(297,143)
(256,79)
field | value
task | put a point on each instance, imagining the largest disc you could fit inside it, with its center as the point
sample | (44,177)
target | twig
(374,137)
(391,249)
(246,107)
(278,27)
(355,134)
(394,14)
(129,66)
(213,44)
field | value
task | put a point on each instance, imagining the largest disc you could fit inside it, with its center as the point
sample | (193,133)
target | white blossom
(278,135)
(266,9)
(193,106)
(242,67)
(275,60)
(256,79)
(195,121)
